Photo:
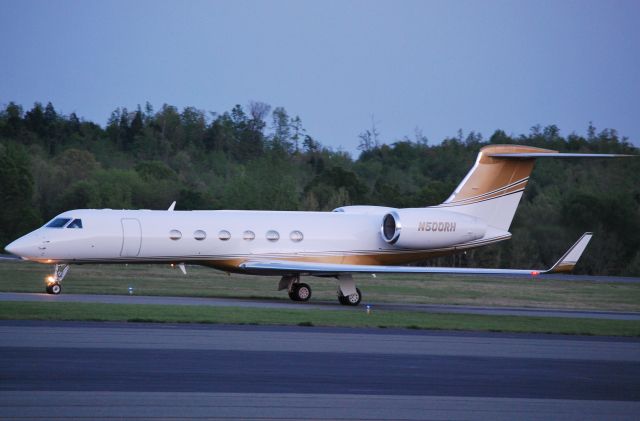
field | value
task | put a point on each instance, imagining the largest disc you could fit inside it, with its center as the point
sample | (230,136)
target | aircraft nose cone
(21,247)
(12,248)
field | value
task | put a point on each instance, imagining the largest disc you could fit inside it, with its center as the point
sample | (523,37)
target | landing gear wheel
(342,299)
(54,288)
(350,300)
(300,292)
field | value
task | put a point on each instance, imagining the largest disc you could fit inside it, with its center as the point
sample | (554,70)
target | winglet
(570,258)
(172,207)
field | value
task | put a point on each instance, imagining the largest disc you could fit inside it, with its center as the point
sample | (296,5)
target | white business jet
(338,244)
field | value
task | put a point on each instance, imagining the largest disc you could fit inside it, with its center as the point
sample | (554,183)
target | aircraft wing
(284,267)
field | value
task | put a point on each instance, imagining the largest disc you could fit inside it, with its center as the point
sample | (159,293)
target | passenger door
(131,237)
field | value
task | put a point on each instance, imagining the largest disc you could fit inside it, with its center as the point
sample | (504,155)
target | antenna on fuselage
(172,207)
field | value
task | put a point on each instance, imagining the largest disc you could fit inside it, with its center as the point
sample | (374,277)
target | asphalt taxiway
(52,370)
(319,305)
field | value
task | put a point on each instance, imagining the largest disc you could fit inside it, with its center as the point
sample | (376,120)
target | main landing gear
(348,294)
(298,291)
(350,300)
(54,281)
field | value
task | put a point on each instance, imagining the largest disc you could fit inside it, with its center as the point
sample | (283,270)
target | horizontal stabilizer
(288,267)
(556,155)
(492,189)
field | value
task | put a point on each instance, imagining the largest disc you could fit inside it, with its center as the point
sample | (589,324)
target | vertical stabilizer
(493,187)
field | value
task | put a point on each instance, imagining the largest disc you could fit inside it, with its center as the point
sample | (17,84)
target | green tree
(281,138)
(17,214)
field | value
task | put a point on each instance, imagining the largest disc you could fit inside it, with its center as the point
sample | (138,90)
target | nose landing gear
(54,281)
(54,288)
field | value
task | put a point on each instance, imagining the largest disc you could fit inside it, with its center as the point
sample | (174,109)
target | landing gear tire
(350,300)
(342,299)
(300,292)
(54,288)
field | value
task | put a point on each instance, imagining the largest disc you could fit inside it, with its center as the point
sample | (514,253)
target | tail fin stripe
(454,204)
(498,190)
(495,193)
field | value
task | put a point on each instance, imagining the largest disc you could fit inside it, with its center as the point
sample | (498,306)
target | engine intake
(423,228)
(391,227)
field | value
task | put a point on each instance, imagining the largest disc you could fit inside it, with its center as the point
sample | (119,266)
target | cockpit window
(58,223)
(77,223)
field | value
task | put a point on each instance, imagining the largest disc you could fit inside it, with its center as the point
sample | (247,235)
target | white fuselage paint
(146,236)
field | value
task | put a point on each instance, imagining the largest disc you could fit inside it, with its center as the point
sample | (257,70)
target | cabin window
(58,223)
(248,235)
(272,235)
(224,235)
(199,235)
(76,223)
(296,236)
(175,235)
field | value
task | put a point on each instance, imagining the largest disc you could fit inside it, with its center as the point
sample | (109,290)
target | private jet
(338,244)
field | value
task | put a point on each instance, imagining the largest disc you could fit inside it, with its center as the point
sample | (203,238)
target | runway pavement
(233,302)
(50,370)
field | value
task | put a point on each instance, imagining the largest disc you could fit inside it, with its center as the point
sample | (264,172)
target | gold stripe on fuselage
(383,258)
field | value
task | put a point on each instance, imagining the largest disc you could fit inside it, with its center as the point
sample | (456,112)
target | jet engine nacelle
(364,210)
(424,228)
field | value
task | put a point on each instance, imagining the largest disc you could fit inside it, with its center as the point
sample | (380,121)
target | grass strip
(304,317)
(160,280)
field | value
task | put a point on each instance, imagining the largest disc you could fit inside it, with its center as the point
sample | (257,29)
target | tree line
(259,157)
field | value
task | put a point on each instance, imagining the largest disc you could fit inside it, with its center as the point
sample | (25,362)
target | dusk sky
(440,66)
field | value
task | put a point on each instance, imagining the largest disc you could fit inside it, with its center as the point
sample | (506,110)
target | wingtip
(569,260)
